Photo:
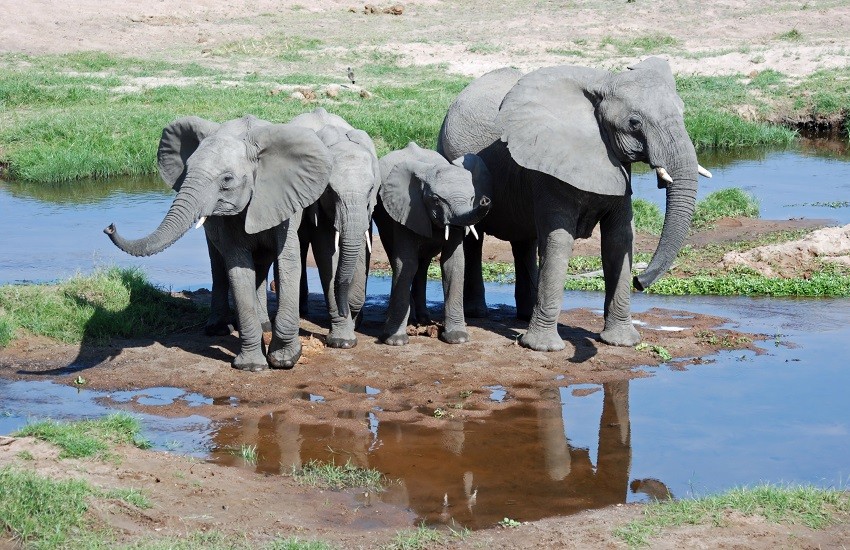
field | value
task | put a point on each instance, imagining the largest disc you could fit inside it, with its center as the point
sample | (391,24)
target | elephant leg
(242,277)
(556,223)
(617,246)
(418,292)
(262,281)
(220,315)
(304,292)
(474,301)
(285,348)
(405,262)
(525,267)
(452,264)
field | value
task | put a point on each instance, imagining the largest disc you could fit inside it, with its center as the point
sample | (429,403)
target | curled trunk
(179,219)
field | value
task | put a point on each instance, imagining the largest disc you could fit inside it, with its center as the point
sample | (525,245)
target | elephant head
(350,199)
(423,191)
(266,171)
(586,126)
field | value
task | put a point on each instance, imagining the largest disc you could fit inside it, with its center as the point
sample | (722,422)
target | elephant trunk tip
(638,285)
(110,230)
(485,201)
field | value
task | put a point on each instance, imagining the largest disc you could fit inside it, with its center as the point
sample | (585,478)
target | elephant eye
(227,181)
(635,123)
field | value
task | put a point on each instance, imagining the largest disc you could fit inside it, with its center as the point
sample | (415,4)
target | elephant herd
(538,160)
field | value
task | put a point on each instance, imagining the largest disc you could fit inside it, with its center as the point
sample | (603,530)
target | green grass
(641,45)
(809,506)
(315,473)
(40,512)
(86,438)
(94,308)
(647,216)
(416,539)
(732,203)
(129,495)
(219,541)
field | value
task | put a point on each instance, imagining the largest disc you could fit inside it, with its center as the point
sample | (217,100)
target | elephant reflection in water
(471,472)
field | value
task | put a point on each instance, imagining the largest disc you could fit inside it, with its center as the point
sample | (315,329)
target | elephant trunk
(471,216)
(681,201)
(352,219)
(177,221)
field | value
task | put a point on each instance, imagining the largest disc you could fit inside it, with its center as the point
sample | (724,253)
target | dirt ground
(713,38)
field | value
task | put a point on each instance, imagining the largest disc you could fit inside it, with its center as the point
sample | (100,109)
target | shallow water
(782,416)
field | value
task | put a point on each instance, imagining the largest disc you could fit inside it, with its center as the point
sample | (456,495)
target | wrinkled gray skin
(252,179)
(421,194)
(344,209)
(560,142)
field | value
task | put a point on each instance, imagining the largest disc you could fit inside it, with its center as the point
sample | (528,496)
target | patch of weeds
(818,285)
(465,394)
(732,202)
(286,48)
(439,413)
(660,351)
(327,474)
(25,455)
(40,512)
(7,328)
(655,42)
(810,506)
(647,216)
(87,437)
(130,496)
(248,453)
(110,303)
(567,52)
(827,204)
(509,523)
(725,340)
(792,36)
(483,48)
(415,539)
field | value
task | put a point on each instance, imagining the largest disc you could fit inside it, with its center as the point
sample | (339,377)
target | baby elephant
(426,205)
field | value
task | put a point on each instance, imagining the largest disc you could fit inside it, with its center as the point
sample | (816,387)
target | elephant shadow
(174,322)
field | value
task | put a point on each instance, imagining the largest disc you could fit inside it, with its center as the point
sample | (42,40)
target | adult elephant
(560,142)
(249,180)
(426,205)
(338,226)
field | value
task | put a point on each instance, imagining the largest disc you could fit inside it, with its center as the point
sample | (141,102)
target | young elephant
(338,226)
(249,180)
(426,205)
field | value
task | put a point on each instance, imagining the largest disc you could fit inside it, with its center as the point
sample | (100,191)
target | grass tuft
(809,506)
(87,437)
(109,303)
(415,539)
(647,216)
(327,474)
(40,512)
(731,203)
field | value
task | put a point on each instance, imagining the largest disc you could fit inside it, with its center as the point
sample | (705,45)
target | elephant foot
(543,341)
(621,335)
(455,336)
(282,356)
(396,339)
(341,343)
(475,310)
(250,361)
(217,327)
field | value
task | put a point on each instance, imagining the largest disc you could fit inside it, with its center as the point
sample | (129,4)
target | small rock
(332,91)
(297,95)
(396,9)
(365,94)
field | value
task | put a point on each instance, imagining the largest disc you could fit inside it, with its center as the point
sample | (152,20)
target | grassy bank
(809,506)
(107,304)
(84,115)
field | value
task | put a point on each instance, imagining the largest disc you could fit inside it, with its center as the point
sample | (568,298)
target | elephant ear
(663,69)
(293,168)
(362,139)
(179,140)
(402,192)
(549,123)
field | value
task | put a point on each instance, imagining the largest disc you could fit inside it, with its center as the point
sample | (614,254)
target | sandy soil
(709,38)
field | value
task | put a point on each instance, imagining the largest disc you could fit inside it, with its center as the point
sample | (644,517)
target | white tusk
(368,242)
(703,172)
(466,231)
(316,219)
(662,173)
(200,222)
(474,232)
(447,232)
(336,241)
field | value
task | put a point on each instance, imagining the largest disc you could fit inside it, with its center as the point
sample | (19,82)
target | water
(780,417)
